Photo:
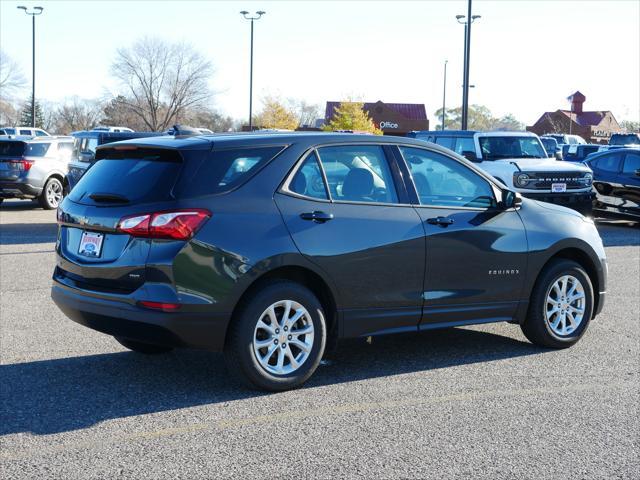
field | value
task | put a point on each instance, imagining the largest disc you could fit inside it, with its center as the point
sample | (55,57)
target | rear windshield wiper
(108,197)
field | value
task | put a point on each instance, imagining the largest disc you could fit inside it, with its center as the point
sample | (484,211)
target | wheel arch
(583,259)
(304,276)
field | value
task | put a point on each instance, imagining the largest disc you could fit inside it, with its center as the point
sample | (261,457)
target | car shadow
(52,396)
(20,205)
(26,233)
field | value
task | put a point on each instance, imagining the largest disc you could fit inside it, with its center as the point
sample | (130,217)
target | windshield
(496,148)
(628,139)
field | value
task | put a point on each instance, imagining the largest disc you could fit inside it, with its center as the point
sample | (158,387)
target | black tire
(146,348)
(535,327)
(44,200)
(239,354)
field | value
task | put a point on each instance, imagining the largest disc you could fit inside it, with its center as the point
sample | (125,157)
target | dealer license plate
(558,187)
(91,244)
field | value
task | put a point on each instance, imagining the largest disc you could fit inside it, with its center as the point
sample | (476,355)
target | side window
(25,132)
(308,179)
(465,144)
(358,173)
(609,163)
(446,142)
(442,181)
(40,133)
(36,149)
(91,145)
(631,163)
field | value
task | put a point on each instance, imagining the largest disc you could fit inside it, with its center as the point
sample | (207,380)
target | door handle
(317,216)
(442,221)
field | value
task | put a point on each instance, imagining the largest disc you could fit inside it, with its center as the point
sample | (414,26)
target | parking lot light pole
(464,20)
(33,12)
(444,93)
(256,16)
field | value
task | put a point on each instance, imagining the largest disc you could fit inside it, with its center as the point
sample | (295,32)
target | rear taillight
(175,224)
(22,164)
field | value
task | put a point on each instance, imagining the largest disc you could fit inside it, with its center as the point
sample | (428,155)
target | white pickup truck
(519,161)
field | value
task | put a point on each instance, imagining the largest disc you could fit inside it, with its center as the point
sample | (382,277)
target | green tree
(275,114)
(26,114)
(351,116)
(480,118)
(630,126)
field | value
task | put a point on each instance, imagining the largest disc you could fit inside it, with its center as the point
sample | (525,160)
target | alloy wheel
(565,305)
(54,193)
(283,337)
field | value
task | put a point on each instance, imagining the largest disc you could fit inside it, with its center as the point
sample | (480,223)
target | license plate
(91,244)
(558,187)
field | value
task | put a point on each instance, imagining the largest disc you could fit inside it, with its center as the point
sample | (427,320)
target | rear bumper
(204,330)
(18,190)
(579,201)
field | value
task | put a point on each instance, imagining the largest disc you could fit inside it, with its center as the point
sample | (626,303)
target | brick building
(391,118)
(594,126)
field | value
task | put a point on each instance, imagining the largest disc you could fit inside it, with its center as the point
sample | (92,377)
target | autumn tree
(351,116)
(161,80)
(275,114)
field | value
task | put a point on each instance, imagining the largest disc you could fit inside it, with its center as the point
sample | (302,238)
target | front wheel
(561,305)
(277,339)
(52,194)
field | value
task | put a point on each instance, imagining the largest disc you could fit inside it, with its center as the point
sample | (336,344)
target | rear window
(222,170)
(134,176)
(11,149)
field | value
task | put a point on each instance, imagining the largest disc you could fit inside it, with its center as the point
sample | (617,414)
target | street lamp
(462,19)
(33,12)
(247,16)
(444,93)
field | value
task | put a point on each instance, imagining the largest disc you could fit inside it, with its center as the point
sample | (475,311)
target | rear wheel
(561,305)
(52,194)
(139,347)
(277,339)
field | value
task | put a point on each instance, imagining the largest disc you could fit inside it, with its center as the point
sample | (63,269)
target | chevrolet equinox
(269,247)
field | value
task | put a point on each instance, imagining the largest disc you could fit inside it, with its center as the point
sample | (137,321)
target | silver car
(34,167)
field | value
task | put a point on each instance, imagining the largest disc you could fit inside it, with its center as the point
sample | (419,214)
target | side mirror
(510,199)
(469,155)
(637,173)
(558,155)
(86,157)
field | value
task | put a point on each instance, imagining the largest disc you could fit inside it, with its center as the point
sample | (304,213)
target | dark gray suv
(271,246)
(34,167)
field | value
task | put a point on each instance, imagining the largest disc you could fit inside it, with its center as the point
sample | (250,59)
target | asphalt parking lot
(477,402)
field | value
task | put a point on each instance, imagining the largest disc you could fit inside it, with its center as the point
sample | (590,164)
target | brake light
(175,225)
(165,307)
(22,164)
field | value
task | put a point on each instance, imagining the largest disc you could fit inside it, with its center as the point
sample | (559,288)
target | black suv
(271,246)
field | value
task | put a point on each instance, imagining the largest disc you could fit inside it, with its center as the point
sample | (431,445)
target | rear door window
(222,170)
(137,176)
(446,142)
(25,132)
(465,144)
(358,173)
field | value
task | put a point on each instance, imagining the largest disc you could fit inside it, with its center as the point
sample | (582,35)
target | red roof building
(594,126)
(391,118)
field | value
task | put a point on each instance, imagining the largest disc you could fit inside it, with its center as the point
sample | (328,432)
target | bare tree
(307,113)
(77,114)
(162,80)
(11,77)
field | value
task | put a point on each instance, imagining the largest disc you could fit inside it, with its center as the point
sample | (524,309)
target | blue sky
(527,56)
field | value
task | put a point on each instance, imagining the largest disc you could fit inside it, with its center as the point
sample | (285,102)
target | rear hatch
(132,212)
(94,253)
(12,162)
